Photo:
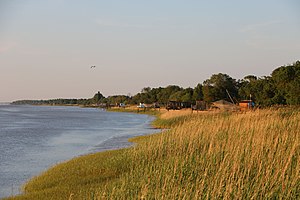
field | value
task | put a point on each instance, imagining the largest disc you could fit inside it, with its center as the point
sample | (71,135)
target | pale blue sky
(48,46)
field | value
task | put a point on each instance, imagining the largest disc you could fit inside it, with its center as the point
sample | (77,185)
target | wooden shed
(173,105)
(246,104)
(200,105)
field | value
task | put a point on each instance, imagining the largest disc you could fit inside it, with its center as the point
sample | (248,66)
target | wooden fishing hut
(246,104)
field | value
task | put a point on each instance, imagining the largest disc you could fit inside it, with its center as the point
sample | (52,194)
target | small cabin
(200,105)
(185,104)
(177,105)
(246,104)
(173,105)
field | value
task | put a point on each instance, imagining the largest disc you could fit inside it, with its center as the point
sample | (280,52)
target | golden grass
(175,113)
(253,155)
(221,156)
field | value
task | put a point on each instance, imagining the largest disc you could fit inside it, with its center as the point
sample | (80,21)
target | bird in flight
(93,66)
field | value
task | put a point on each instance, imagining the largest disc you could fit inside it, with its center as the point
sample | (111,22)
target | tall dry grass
(253,155)
(218,156)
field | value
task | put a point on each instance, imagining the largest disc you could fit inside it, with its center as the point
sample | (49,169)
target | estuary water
(34,138)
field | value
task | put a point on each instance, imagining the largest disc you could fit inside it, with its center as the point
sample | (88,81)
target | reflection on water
(33,138)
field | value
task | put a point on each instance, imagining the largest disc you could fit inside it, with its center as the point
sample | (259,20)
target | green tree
(247,87)
(286,79)
(97,97)
(262,90)
(198,93)
(146,90)
(165,94)
(265,92)
(187,95)
(217,86)
(293,93)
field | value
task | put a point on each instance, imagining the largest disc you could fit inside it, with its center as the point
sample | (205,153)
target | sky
(47,47)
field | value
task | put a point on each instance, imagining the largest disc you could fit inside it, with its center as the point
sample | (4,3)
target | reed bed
(253,155)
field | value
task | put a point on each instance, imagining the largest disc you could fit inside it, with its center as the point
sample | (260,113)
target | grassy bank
(253,155)
(154,112)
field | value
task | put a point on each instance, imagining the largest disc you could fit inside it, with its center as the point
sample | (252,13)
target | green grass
(79,177)
(253,155)
(171,122)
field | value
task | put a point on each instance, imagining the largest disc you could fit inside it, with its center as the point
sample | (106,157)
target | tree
(98,97)
(146,89)
(247,87)
(217,86)
(286,79)
(165,94)
(198,93)
(209,94)
(262,90)
(250,78)
(293,93)
(187,95)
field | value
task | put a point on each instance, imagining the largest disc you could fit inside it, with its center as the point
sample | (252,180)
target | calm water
(33,138)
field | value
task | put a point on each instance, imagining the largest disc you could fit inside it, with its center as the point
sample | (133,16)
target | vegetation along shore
(204,155)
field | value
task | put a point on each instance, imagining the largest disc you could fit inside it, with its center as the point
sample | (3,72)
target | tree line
(282,87)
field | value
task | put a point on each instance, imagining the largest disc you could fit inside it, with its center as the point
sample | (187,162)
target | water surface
(33,138)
